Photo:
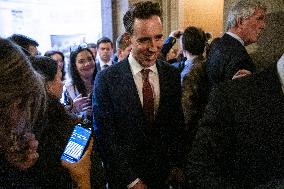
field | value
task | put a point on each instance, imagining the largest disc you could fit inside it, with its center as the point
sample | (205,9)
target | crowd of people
(197,117)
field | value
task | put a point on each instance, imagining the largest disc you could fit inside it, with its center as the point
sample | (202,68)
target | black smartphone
(77,143)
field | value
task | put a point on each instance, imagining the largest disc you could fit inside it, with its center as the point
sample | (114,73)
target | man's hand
(176,34)
(139,185)
(80,171)
(176,175)
(241,73)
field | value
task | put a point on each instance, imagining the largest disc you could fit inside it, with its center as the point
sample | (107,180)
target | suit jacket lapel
(98,65)
(133,97)
(163,84)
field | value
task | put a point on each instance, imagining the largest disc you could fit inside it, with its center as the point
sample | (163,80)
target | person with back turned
(228,59)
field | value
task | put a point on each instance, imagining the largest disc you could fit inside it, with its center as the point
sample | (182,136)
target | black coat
(226,56)
(131,149)
(53,140)
(54,137)
(11,177)
(240,141)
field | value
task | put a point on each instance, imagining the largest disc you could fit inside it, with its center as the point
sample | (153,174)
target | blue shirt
(186,69)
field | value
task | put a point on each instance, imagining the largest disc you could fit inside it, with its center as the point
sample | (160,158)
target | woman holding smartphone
(55,135)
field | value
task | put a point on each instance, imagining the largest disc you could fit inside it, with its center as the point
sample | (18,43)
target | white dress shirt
(102,63)
(280,70)
(153,79)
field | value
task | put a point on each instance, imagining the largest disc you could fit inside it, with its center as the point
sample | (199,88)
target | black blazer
(240,142)
(227,55)
(129,148)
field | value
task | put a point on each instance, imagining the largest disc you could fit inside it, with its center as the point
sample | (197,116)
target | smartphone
(77,143)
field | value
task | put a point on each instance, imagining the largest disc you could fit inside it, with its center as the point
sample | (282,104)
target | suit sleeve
(112,152)
(223,65)
(208,162)
(216,65)
(168,44)
(240,60)
(176,145)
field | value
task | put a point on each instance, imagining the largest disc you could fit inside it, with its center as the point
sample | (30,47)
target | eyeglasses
(78,47)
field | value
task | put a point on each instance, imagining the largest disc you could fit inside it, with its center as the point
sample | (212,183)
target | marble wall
(205,14)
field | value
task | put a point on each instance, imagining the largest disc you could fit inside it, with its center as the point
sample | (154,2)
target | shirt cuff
(133,183)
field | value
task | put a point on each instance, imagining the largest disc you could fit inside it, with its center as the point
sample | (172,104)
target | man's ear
(119,52)
(240,22)
(128,37)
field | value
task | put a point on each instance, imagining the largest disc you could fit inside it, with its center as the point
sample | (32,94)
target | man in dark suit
(105,50)
(137,108)
(240,141)
(228,55)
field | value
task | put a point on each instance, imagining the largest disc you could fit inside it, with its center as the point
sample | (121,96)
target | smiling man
(137,109)
(228,57)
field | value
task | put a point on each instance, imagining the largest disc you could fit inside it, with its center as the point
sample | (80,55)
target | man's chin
(147,64)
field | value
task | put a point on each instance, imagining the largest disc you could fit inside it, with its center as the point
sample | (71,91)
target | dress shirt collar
(280,70)
(136,67)
(102,63)
(189,60)
(236,37)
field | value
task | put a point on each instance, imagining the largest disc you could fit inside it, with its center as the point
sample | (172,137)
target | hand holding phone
(76,144)
(81,170)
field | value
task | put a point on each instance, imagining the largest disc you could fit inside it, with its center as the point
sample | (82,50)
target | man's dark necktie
(148,97)
(105,66)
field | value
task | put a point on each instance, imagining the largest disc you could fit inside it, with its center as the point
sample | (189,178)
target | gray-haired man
(228,57)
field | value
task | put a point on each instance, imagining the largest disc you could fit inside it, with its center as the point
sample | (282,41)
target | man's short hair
(123,41)
(193,40)
(92,45)
(242,9)
(23,41)
(104,40)
(140,10)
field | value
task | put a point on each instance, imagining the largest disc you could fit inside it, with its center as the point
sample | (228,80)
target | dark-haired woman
(58,56)
(78,89)
(55,135)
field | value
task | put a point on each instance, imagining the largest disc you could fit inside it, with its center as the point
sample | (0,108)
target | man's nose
(153,45)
